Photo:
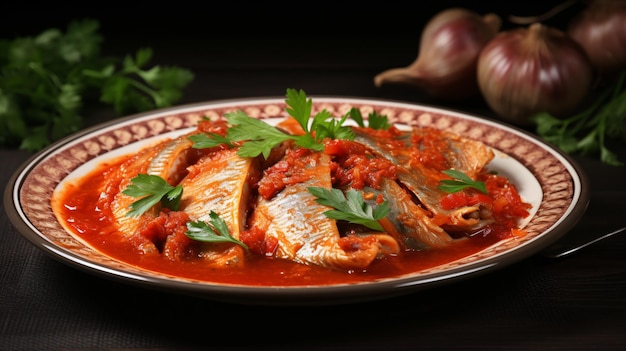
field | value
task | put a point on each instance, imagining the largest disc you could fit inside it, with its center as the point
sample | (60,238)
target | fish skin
(423,182)
(168,159)
(411,225)
(221,177)
(463,154)
(171,161)
(303,232)
(220,182)
(120,178)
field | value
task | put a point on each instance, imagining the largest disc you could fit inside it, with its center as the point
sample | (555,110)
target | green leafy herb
(47,80)
(260,137)
(209,140)
(375,120)
(216,231)
(137,88)
(350,207)
(378,121)
(588,131)
(460,182)
(325,126)
(152,189)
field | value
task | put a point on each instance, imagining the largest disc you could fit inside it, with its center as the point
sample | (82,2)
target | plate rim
(298,295)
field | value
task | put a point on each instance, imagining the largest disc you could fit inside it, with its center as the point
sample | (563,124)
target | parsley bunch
(589,131)
(46,81)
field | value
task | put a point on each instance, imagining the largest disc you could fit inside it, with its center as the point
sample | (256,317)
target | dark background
(249,49)
(346,36)
(260,20)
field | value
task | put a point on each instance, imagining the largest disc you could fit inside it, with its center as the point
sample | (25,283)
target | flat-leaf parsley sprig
(350,207)
(47,80)
(589,131)
(257,137)
(152,189)
(323,125)
(460,182)
(216,231)
(135,87)
(374,120)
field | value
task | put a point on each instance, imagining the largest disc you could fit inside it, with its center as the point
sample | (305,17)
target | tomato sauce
(87,219)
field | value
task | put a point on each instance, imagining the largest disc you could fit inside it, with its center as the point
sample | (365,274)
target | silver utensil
(560,250)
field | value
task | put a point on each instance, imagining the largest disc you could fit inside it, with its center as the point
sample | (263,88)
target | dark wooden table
(574,303)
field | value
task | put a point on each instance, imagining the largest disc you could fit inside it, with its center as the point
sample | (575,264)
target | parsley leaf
(587,132)
(202,141)
(323,125)
(350,207)
(378,121)
(260,137)
(152,189)
(216,231)
(374,119)
(460,182)
(299,107)
(47,80)
(136,88)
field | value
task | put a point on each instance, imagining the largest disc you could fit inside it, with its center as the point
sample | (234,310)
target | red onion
(601,30)
(448,52)
(534,69)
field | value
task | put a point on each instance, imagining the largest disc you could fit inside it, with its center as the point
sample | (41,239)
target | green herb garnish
(350,207)
(152,189)
(588,131)
(259,137)
(460,182)
(47,80)
(134,87)
(378,121)
(262,138)
(374,119)
(216,231)
(209,140)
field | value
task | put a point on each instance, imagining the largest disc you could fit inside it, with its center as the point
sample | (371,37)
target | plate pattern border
(555,180)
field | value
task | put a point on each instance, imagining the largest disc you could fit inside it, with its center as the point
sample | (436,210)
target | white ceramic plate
(555,186)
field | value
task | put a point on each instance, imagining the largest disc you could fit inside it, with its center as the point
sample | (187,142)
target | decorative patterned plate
(555,186)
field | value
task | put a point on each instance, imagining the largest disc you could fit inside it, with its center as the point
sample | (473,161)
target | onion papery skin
(601,31)
(448,52)
(525,71)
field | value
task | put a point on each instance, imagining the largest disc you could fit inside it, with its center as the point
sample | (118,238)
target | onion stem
(540,18)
